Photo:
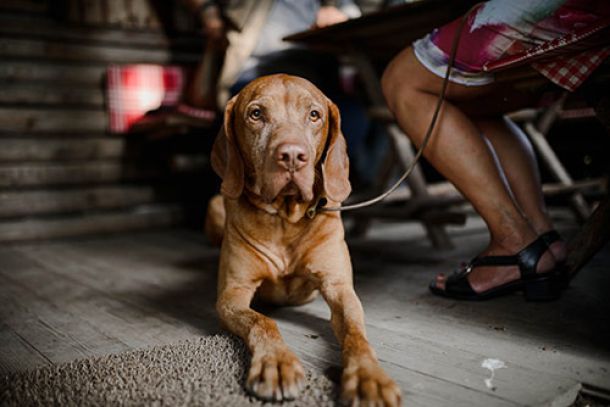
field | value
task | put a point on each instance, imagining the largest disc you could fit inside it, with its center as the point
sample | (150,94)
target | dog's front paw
(275,375)
(365,383)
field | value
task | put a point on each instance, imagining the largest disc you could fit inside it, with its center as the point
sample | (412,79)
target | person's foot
(484,278)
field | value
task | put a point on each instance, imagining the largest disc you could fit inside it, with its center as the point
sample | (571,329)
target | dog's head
(282,139)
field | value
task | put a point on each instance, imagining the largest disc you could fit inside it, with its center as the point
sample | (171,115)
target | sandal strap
(530,256)
(457,283)
(550,237)
(527,260)
(494,261)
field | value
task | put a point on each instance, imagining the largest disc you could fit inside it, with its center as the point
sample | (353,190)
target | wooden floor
(65,300)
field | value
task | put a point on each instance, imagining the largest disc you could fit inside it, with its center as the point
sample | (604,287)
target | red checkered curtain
(133,90)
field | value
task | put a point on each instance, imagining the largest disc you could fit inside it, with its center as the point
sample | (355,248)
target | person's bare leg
(519,164)
(460,153)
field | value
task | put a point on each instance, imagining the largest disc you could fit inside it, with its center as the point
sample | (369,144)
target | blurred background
(97,134)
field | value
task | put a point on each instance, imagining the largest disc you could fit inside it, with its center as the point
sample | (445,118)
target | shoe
(549,238)
(536,286)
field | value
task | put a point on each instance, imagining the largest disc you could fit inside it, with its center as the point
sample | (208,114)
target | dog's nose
(292,157)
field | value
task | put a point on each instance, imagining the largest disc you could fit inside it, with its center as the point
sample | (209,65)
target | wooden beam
(89,53)
(43,28)
(41,202)
(96,172)
(558,189)
(52,120)
(139,218)
(35,149)
(19,93)
(56,73)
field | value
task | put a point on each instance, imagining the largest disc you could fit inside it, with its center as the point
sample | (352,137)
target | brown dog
(280,151)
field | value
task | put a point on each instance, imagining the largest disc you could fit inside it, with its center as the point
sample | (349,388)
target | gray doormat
(207,372)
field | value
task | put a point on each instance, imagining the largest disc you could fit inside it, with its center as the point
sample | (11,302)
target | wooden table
(371,41)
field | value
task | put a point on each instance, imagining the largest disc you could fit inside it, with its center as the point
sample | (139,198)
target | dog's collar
(277,209)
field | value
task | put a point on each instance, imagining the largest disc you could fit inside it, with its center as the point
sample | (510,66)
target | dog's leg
(364,382)
(215,220)
(275,371)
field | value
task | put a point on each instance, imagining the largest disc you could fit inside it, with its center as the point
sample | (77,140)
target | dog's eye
(256,114)
(314,115)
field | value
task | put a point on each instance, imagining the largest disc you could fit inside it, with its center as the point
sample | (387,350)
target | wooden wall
(61,173)
(131,14)
(127,14)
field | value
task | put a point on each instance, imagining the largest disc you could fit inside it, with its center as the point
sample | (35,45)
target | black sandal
(536,286)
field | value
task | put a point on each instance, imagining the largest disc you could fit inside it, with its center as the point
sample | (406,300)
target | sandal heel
(542,289)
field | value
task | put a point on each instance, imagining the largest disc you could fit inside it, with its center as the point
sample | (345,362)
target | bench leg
(580,206)
(593,235)
(417,183)
(402,146)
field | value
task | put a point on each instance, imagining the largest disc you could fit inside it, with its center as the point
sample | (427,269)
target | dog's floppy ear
(335,168)
(226,160)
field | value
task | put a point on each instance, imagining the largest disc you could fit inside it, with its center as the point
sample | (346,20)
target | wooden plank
(118,325)
(118,14)
(139,218)
(159,282)
(30,203)
(48,149)
(90,76)
(54,333)
(52,120)
(16,353)
(91,54)
(46,94)
(30,175)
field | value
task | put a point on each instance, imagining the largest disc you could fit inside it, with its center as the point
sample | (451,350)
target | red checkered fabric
(133,90)
(567,60)
(571,72)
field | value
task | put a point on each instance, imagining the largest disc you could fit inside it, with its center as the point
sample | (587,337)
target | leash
(319,206)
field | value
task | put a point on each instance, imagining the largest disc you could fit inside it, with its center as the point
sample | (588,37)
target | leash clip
(313,209)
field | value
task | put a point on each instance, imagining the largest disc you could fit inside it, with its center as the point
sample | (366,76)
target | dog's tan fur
(271,249)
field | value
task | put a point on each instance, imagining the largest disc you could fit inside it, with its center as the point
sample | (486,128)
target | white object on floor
(492,365)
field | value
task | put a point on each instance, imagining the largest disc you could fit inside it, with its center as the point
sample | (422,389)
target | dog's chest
(284,247)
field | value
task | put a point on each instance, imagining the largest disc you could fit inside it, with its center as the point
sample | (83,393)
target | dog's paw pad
(276,376)
(364,383)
